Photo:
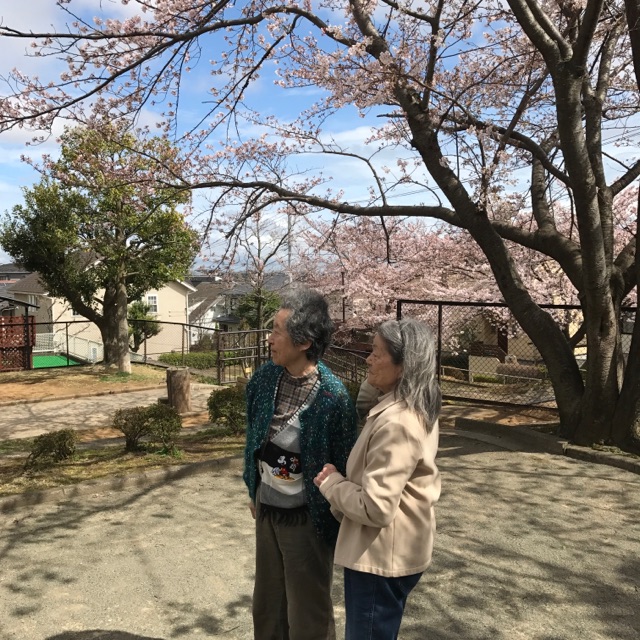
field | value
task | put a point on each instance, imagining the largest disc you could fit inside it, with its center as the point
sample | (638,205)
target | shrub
(353,388)
(159,422)
(522,371)
(485,378)
(228,406)
(457,361)
(194,360)
(165,424)
(206,343)
(52,447)
(456,374)
(133,423)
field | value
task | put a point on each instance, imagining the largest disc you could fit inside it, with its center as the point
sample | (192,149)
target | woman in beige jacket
(386,501)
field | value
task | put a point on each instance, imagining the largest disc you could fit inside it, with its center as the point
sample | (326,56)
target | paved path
(29,420)
(530,546)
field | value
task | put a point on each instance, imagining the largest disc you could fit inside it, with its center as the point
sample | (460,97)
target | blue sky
(43,15)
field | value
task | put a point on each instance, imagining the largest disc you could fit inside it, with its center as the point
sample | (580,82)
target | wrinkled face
(383,372)
(283,351)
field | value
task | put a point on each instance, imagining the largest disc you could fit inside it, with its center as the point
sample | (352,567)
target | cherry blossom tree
(488,108)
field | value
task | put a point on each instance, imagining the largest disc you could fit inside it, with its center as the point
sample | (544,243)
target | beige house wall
(83,336)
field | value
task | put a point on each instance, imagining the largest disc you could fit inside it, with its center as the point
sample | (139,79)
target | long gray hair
(411,345)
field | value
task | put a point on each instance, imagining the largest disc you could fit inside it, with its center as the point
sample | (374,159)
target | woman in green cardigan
(298,415)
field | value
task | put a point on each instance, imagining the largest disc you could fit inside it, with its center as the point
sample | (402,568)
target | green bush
(206,343)
(486,378)
(160,423)
(228,406)
(353,388)
(165,425)
(52,447)
(133,423)
(457,361)
(194,360)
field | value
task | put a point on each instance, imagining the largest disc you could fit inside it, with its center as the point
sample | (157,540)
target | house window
(31,299)
(152,302)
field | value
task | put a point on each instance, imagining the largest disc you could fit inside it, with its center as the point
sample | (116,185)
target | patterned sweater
(327,434)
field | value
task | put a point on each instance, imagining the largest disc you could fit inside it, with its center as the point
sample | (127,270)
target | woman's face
(383,372)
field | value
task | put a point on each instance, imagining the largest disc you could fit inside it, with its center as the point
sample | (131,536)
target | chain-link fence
(484,355)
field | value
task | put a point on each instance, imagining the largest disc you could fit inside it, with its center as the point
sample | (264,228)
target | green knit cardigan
(327,434)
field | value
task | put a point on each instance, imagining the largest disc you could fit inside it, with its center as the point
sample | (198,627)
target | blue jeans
(375,604)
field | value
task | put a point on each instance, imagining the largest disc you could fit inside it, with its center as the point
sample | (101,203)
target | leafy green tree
(101,228)
(143,325)
(257,307)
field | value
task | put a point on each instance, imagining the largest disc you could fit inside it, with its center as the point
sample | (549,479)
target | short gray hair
(411,345)
(309,320)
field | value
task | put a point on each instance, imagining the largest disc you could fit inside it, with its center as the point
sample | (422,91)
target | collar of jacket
(384,402)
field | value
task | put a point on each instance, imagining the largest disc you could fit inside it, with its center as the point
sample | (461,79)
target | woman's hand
(327,470)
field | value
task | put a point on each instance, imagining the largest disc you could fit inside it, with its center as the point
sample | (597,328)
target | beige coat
(387,500)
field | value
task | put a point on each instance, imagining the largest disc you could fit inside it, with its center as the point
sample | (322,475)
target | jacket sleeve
(249,443)
(393,454)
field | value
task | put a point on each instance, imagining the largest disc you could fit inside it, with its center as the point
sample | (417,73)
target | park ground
(85,399)
(530,545)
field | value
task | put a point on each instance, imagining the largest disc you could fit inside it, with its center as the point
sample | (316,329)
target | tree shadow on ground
(99,634)
(528,546)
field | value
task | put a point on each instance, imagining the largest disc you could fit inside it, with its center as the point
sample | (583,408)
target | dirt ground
(88,381)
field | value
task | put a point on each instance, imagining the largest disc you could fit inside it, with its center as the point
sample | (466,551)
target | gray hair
(309,320)
(411,345)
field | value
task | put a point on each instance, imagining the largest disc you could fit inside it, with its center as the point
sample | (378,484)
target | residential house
(11,272)
(214,304)
(206,309)
(59,328)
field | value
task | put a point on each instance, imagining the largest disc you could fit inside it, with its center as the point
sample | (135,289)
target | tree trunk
(115,329)
(179,389)
(626,418)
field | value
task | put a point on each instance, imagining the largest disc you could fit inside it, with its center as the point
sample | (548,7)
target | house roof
(28,284)
(204,297)
(14,269)
(275,281)
(31,284)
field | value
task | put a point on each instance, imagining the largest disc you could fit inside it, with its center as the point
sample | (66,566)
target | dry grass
(92,462)
(82,381)
(199,440)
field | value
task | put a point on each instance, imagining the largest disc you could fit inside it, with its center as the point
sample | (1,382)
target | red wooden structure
(17,339)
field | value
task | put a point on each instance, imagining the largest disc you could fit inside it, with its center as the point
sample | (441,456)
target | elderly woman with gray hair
(386,500)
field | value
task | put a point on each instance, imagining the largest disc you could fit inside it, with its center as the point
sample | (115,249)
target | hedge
(194,360)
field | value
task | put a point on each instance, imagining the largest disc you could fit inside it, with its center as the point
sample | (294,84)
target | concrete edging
(524,438)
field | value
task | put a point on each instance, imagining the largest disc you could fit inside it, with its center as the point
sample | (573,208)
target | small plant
(228,406)
(52,447)
(133,423)
(165,424)
(159,423)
